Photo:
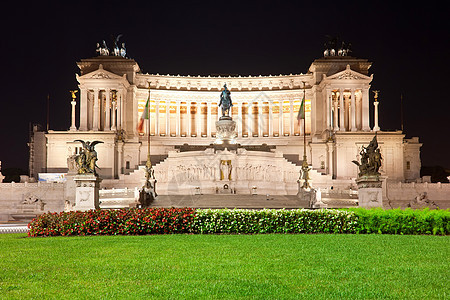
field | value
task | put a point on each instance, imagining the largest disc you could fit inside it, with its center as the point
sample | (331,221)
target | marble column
(73,127)
(113,115)
(291,117)
(239,121)
(119,109)
(95,119)
(280,119)
(178,121)
(341,111)
(250,119)
(108,109)
(260,119)
(353,111)
(168,118)
(188,113)
(83,109)
(270,119)
(208,119)
(198,118)
(336,126)
(365,110)
(157,118)
(375,112)
(328,109)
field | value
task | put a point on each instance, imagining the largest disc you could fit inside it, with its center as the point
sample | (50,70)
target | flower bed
(240,221)
(112,222)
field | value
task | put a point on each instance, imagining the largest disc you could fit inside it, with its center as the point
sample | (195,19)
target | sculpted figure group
(335,47)
(86,160)
(370,159)
(103,50)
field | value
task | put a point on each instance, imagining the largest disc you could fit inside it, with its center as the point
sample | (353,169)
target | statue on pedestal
(86,160)
(368,181)
(225,127)
(225,102)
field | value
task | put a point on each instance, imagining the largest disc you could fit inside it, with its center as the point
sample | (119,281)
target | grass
(272,266)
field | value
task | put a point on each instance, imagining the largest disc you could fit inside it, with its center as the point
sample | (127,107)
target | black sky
(407,43)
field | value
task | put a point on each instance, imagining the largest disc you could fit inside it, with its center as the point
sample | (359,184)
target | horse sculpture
(225,102)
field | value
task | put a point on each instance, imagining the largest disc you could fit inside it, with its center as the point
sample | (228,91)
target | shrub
(274,221)
(408,221)
(112,222)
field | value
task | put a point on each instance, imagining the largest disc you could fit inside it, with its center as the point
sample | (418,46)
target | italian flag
(301,111)
(144,116)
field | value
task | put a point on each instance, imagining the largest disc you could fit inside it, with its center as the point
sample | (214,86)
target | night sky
(408,45)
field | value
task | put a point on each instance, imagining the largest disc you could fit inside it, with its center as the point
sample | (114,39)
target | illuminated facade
(113,93)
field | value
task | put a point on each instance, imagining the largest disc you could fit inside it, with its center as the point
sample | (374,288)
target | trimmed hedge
(398,221)
(241,221)
(274,221)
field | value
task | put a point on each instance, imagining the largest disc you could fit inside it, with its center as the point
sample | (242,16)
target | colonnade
(347,109)
(101,109)
(197,119)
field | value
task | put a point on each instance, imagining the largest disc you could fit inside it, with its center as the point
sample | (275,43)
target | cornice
(215,83)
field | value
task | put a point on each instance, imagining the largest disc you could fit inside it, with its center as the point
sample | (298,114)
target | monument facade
(185,114)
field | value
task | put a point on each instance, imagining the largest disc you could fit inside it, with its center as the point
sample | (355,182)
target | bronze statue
(370,159)
(86,160)
(73,94)
(225,101)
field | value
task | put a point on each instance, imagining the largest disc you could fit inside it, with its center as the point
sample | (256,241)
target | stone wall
(401,194)
(23,201)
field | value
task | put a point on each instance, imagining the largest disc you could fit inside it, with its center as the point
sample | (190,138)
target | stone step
(230,201)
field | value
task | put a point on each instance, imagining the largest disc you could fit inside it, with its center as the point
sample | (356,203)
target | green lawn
(226,266)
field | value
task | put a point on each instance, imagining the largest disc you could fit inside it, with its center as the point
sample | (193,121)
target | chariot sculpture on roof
(335,47)
(103,50)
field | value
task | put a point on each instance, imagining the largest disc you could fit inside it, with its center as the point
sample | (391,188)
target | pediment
(100,73)
(348,74)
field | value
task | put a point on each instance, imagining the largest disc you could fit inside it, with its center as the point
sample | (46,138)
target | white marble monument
(184,110)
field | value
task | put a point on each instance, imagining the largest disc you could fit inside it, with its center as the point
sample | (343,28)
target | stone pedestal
(370,192)
(86,192)
(313,196)
(225,131)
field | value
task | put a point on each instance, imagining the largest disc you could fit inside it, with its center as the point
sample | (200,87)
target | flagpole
(48,111)
(401,112)
(305,167)
(149,163)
